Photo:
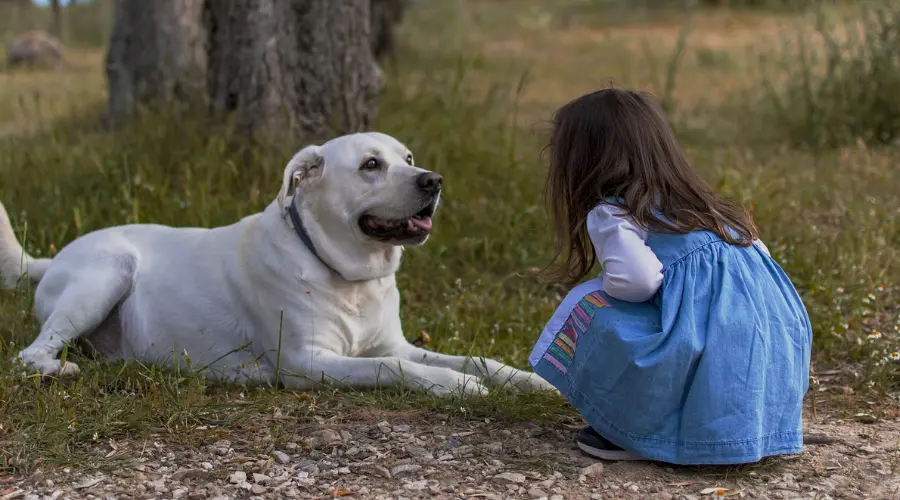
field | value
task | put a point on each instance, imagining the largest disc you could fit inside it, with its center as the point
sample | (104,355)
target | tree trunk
(385,15)
(156,55)
(299,65)
(56,20)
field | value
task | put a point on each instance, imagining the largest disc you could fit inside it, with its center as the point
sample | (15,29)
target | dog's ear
(303,171)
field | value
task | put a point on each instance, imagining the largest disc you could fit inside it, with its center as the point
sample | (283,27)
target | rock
(401,428)
(35,48)
(308,466)
(260,478)
(159,486)
(416,485)
(405,469)
(495,447)
(557,497)
(593,470)
(257,489)
(509,478)
(327,436)
(416,451)
(281,457)
(537,493)
(237,477)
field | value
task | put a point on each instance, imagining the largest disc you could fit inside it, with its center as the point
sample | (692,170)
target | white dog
(306,287)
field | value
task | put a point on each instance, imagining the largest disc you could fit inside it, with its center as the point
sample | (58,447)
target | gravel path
(394,456)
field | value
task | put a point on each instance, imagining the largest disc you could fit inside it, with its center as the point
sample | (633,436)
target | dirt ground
(405,456)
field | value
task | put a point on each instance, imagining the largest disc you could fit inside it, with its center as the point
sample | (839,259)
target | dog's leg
(86,296)
(490,371)
(309,369)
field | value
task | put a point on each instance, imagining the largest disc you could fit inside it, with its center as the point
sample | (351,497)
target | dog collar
(300,229)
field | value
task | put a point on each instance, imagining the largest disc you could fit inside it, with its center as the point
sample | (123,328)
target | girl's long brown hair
(617,144)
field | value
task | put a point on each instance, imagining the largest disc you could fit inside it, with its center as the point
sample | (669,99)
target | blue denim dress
(711,370)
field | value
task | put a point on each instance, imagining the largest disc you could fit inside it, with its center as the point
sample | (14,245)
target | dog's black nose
(429,182)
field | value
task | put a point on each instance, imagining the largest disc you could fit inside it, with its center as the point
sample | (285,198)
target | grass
(468,93)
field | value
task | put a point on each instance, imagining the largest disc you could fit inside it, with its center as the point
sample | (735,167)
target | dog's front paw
(46,366)
(457,384)
(524,381)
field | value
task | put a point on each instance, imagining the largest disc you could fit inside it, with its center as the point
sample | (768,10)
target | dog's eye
(370,164)
(409,159)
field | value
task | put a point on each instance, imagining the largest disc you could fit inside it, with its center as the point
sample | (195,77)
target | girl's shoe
(598,446)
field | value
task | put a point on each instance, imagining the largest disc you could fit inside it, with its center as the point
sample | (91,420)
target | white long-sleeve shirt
(631,271)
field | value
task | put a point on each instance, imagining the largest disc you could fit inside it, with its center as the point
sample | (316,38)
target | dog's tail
(15,264)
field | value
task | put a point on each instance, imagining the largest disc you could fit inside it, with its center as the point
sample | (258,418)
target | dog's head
(366,184)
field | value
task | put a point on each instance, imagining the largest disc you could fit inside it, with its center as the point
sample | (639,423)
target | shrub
(841,85)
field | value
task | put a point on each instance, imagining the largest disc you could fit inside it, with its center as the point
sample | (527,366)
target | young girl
(692,346)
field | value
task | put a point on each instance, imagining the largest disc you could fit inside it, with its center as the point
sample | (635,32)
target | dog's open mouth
(412,229)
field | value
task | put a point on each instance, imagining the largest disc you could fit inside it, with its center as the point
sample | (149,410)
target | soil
(403,455)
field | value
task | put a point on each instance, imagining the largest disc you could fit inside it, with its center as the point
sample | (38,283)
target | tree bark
(385,15)
(56,21)
(299,65)
(156,55)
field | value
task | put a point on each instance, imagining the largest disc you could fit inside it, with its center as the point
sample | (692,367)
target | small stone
(495,447)
(180,492)
(159,486)
(281,457)
(405,469)
(346,436)
(308,466)
(260,478)
(327,436)
(509,478)
(416,451)
(237,477)
(593,470)
(401,428)
(416,485)
(206,465)
(557,497)
(257,489)
(869,449)
(537,493)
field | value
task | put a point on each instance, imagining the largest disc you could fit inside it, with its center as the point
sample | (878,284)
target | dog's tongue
(423,223)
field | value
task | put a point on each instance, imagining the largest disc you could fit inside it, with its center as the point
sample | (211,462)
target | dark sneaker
(598,446)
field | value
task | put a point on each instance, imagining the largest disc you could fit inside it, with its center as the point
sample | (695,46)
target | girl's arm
(631,271)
